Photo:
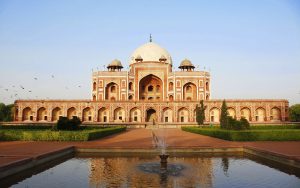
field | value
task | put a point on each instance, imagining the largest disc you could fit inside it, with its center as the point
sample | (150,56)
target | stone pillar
(238,111)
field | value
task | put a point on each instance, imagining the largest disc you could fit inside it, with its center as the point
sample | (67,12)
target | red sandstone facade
(149,91)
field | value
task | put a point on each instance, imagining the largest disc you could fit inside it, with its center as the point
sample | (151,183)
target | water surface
(193,172)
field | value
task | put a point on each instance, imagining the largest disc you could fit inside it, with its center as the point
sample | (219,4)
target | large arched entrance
(151,88)
(151,115)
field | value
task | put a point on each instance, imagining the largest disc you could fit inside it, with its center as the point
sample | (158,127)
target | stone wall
(138,111)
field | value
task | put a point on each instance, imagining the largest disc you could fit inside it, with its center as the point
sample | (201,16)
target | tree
(200,113)
(295,112)
(6,112)
(224,116)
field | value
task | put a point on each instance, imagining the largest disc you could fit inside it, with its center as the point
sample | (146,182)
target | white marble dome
(150,52)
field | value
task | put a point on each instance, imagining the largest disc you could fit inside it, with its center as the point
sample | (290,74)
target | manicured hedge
(248,135)
(275,126)
(27,127)
(49,135)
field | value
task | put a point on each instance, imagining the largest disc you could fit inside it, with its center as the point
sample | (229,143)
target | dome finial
(150,38)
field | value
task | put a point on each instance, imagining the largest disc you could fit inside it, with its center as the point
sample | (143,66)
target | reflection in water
(194,172)
(125,172)
(225,165)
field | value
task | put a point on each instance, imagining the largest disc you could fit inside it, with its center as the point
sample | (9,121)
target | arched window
(130,97)
(207,86)
(150,88)
(171,98)
(94,97)
(94,86)
(150,98)
(112,98)
(130,87)
(171,86)
(189,98)
(207,97)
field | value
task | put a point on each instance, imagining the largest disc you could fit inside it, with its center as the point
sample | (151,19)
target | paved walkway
(11,152)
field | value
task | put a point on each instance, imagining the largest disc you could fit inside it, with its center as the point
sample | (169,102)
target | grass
(263,133)
(43,134)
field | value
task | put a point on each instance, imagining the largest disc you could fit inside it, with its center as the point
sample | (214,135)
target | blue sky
(251,47)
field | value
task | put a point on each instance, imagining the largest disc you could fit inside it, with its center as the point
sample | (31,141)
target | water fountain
(159,140)
(163,168)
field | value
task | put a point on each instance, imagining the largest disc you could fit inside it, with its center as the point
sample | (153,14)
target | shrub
(248,135)
(68,124)
(275,126)
(237,124)
(48,135)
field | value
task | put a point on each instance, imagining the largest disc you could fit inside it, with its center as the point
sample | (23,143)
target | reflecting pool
(144,171)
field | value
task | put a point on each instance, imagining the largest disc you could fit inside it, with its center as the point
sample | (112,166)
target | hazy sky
(252,48)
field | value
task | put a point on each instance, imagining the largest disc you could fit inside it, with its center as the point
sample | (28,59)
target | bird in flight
(52,76)
(35,78)
(22,87)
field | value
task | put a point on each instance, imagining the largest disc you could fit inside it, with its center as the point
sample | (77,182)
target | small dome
(186,64)
(115,63)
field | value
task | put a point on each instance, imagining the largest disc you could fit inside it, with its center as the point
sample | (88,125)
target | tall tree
(200,113)
(224,116)
(6,112)
(294,112)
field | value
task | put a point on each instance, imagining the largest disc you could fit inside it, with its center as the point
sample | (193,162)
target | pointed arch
(260,114)
(56,114)
(275,114)
(214,114)
(71,112)
(87,114)
(119,114)
(94,86)
(183,115)
(171,85)
(190,91)
(112,91)
(150,88)
(27,114)
(103,115)
(135,115)
(167,115)
(246,113)
(231,112)
(41,114)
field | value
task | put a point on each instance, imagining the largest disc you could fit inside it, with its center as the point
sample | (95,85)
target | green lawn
(46,134)
(256,133)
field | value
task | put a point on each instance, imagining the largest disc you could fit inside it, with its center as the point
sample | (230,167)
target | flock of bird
(15,89)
